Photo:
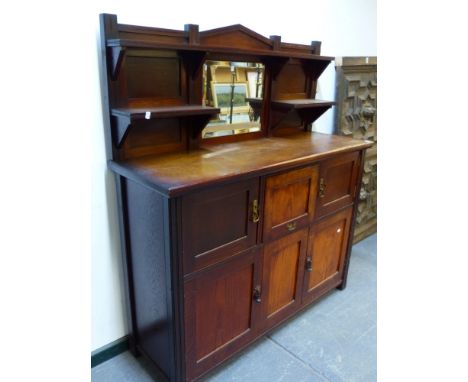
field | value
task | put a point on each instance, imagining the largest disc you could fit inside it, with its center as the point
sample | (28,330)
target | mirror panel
(236,88)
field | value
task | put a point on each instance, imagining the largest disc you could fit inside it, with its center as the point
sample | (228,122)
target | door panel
(326,253)
(220,313)
(337,183)
(283,267)
(218,223)
(289,201)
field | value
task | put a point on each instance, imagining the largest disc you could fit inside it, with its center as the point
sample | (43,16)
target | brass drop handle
(255,212)
(309,264)
(322,187)
(257,294)
(291,226)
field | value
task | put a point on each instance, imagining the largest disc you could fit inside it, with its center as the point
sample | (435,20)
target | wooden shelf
(297,104)
(276,59)
(135,113)
(131,43)
(126,115)
(308,110)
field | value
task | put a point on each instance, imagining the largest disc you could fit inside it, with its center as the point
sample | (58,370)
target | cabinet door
(220,312)
(337,183)
(283,269)
(218,223)
(327,247)
(289,201)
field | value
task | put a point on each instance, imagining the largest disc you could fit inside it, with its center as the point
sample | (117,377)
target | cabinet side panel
(146,236)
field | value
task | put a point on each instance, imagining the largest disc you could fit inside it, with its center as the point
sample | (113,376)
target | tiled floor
(334,340)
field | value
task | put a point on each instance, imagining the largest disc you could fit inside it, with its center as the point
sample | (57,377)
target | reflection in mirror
(236,89)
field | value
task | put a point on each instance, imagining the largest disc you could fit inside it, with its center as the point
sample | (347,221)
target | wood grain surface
(177,173)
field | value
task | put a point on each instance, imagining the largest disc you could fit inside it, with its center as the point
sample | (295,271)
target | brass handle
(291,226)
(309,264)
(257,294)
(322,187)
(255,213)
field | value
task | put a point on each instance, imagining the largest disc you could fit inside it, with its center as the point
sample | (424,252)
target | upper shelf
(308,109)
(131,43)
(135,113)
(301,104)
(126,115)
(276,59)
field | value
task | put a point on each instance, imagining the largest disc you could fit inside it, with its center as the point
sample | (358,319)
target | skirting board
(109,351)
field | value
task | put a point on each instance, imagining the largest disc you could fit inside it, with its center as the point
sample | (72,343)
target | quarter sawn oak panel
(337,183)
(283,267)
(219,312)
(217,223)
(326,250)
(289,201)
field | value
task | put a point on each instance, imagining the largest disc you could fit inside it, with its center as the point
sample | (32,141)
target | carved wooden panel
(356,117)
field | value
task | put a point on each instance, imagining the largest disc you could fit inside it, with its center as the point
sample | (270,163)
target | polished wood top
(177,173)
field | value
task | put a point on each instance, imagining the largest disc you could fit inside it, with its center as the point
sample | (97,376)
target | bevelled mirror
(236,89)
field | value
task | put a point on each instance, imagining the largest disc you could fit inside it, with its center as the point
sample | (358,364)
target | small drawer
(218,223)
(337,183)
(289,201)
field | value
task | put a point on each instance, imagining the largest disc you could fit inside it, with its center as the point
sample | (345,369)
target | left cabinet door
(218,223)
(220,311)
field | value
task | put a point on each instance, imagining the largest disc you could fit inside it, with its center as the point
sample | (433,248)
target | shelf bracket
(309,116)
(275,64)
(314,68)
(122,126)
(117,54)
(193,61)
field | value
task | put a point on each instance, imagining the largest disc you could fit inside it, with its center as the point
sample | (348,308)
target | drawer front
(218,223)
(220,312)
(337,183)
(327,246)
(289,201)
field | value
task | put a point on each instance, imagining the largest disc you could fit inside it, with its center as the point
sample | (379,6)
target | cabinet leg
(132,347)
(342,285)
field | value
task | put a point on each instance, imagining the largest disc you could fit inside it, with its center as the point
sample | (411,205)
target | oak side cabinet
(222,238)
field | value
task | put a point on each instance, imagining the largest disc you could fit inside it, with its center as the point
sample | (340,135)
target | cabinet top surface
(177,173)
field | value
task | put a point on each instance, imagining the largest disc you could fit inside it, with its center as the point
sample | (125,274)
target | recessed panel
(338,181)
(223,309)
(219,221)
(283,277)
(152,76)
(326,252)
(290,201)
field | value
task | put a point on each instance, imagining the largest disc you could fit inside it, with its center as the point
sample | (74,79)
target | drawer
(218,223)
(290,200)
(337,183)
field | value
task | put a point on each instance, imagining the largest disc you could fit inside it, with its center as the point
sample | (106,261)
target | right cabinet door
(326,252)
(337,183)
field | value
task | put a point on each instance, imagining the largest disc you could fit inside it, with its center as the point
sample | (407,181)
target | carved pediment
(235,36)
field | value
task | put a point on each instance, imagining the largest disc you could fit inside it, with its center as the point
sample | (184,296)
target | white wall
(345,27)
